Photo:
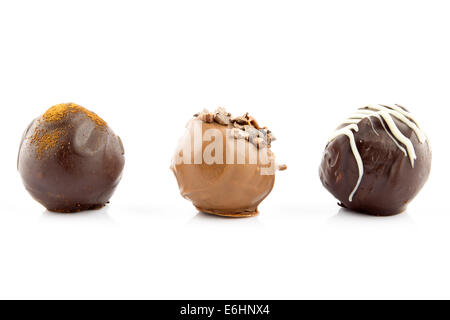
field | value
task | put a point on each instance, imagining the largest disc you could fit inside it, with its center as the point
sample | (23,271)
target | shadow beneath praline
(345,216)
(206,218)
(97,215)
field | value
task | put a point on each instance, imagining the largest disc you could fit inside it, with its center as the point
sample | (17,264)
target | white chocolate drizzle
(385,115)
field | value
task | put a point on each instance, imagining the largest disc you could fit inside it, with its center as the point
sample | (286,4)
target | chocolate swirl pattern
(386,115)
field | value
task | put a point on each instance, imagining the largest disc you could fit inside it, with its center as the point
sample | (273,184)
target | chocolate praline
(377,161)
(70,160)
(241,173)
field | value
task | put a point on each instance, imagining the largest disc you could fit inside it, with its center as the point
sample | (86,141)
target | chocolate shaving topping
(222,119)
(242,120)
(254,123)
(252,132)
(238,126)
(206,117)
(239,134)
(243,127)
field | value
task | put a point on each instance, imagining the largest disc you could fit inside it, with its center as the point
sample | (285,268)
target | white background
(299,67)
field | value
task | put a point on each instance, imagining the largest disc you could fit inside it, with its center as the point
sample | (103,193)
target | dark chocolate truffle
(224,165)
(377,161)
(70,160)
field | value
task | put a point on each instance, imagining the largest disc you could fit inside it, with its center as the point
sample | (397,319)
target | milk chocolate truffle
(70,160)
(377,161)
(224,165)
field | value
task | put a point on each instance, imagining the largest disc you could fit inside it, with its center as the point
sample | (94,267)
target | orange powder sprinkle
(46,140)
(60,111)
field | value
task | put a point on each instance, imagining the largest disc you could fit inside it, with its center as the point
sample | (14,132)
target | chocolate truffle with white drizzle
(377,160)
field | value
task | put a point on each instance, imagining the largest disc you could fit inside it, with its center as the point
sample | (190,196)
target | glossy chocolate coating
(389,182)
(71,163)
